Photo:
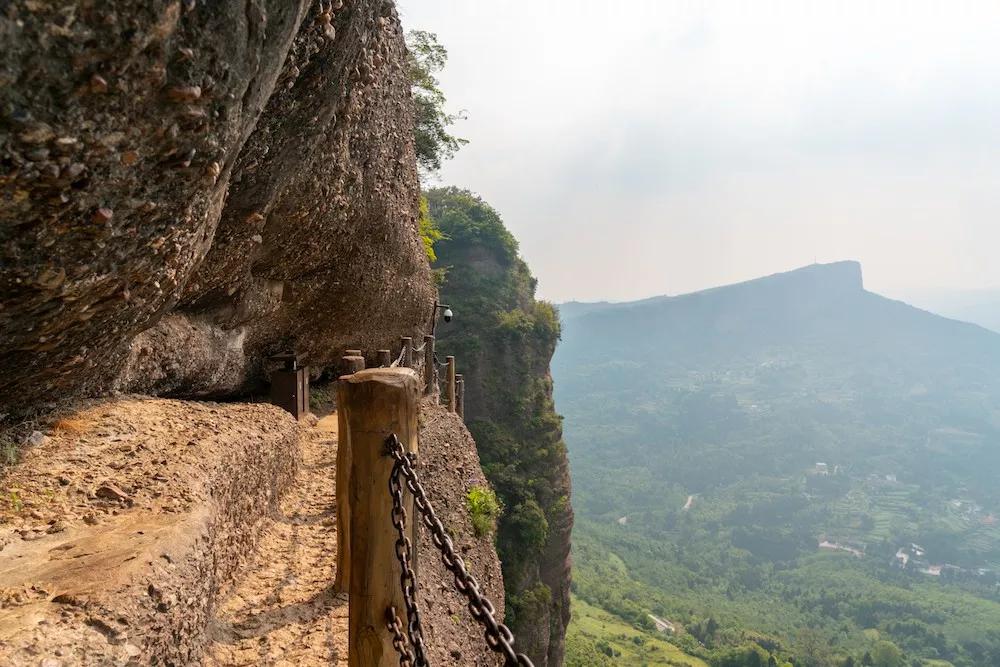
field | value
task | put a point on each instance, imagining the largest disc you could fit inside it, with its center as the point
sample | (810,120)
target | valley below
(791,468)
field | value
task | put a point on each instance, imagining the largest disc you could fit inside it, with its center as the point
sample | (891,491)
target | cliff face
(503,340)
(449,466)
(190,187)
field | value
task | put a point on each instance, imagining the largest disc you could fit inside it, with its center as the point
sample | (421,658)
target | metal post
(434,317)
(460,395)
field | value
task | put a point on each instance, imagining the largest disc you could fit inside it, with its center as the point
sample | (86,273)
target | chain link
(399,359)
(498,636)
(404,553)
(398,639)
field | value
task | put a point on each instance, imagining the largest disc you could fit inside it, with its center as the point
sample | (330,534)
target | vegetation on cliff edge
(503,339)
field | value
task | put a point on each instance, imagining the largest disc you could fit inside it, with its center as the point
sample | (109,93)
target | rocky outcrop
(503,339)
(449,468)
(189,187)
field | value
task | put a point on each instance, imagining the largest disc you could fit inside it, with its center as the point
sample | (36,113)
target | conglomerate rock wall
(188,187)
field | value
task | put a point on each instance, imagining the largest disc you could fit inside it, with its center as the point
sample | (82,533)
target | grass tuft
(484,510)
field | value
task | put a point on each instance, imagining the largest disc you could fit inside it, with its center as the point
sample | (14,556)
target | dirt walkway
(283,612)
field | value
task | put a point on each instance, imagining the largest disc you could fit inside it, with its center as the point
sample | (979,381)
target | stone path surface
(282,610)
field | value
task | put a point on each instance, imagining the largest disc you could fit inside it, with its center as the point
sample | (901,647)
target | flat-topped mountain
(818,305)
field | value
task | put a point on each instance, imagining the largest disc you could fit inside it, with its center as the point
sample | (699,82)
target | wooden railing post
(460,395)
(451,384)
(353,363)
(407,343)
(374,404)
(430,384)
(384,358)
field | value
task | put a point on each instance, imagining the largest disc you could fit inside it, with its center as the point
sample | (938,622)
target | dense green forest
(791,469)
(503,339)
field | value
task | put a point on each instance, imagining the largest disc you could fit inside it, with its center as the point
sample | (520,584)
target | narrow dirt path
(282,611)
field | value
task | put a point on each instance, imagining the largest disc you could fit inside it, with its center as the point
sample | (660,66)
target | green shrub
(429,232)
(322,395)
(484,510)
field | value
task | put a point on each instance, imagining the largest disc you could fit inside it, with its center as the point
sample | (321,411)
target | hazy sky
(647,147)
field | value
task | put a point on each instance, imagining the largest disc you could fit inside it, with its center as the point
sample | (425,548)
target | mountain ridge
(837,280)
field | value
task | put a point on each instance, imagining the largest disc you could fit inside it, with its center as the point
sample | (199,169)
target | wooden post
(375,403)
(451,384)
(430,384)
(351,364)
(407,343)
(342,580)
(460,395)
(348,365)
(384,358)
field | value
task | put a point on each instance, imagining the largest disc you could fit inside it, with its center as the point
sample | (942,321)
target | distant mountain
(733,430)
(572,309)
(812,339)
(981,307)
(822,305)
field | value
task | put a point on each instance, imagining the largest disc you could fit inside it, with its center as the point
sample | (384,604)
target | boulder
(190,187)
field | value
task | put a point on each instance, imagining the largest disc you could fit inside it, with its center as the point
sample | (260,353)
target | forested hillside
(792,463)
(504,339)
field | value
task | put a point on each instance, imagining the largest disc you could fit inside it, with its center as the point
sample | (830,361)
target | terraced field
(627,645)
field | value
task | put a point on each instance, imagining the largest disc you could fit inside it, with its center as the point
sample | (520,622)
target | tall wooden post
(375,403)
(342,579)
(430,372)
(348,366)
(451,384)
(384,358)
(407,343)
(460,395)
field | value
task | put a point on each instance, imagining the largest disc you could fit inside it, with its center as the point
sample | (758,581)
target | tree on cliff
(435,144)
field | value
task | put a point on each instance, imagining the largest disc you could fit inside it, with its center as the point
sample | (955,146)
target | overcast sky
(648,147)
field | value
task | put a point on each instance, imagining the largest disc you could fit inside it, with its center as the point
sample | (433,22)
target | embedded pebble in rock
(110,492)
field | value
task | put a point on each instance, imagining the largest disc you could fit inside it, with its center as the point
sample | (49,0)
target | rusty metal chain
(498,636)
(399,359)
(407,578)
(399,641)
